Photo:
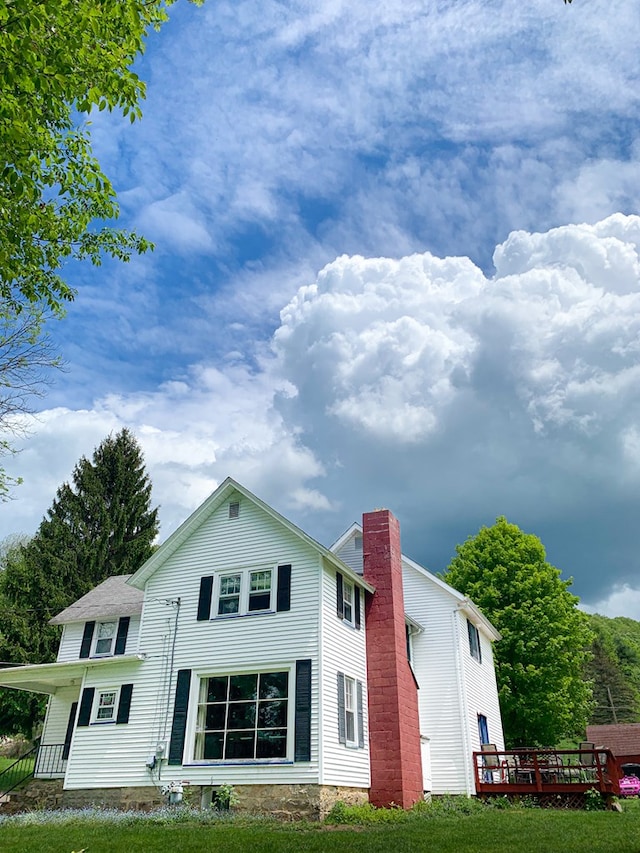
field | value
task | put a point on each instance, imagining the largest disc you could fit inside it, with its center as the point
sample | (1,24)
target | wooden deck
(546,774)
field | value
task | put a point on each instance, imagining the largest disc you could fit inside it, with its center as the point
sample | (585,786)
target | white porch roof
(48,677)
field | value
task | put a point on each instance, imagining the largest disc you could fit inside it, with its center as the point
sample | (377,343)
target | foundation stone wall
(284,802)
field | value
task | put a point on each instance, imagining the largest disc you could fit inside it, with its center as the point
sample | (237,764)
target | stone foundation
(285,802)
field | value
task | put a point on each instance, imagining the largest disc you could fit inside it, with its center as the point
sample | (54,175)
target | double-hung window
(474,641)
(105,635)
(243,717)
(241,592)
(350,711)
(229,596)
(105,705)
(105,709)
(348,600)
(245,592)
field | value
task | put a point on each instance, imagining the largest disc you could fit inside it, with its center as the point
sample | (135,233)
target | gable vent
(234,509)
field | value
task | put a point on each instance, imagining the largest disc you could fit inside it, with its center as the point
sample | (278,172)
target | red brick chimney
(394,725)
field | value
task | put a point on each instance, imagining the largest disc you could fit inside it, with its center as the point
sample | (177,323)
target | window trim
(96,638)
(475,647)
(194,704)
(342,584)
(358,741)
(350,712)
(245,593)
(95,710)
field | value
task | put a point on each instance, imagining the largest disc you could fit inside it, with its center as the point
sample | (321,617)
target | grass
(482,831)
(8,781)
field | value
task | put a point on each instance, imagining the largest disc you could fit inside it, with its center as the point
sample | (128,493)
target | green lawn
(512,831)
(9,780)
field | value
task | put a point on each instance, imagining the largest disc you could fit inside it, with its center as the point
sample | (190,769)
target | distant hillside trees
(545,643)
(615,670)
(98,525)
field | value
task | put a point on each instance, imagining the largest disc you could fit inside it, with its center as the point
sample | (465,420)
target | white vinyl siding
(454,688)
(57,719)
(72,639)
(343,650)
(260,641)
(350,554)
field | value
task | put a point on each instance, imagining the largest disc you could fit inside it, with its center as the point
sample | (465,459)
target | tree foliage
(615,670)
(545,641)
(59,59)
(100,525)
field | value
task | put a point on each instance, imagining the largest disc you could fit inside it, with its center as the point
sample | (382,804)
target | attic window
(357,542)
(234,509)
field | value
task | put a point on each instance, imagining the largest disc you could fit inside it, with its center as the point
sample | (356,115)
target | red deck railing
(545,771)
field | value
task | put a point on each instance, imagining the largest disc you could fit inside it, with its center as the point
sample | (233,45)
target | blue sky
(397,265)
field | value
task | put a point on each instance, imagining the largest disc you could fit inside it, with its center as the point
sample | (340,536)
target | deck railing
(545,771)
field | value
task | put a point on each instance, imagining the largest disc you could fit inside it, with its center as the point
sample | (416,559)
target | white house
(245,652)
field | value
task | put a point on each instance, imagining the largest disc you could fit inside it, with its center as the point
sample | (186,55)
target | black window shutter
(121,636)
(180,708)
(69,734)
(356,595)
(124,704)
(283,600)
(87,637)
(302,739)
(360,714)
(204,599)
(84,715)
(342,721)
(339,596)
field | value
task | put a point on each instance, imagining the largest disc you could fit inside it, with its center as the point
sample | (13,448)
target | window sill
(240,762)
(223,617)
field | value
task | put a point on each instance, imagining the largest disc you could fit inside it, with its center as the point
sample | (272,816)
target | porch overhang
(50,677)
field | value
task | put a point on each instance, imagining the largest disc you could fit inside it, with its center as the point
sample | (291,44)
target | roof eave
(209,506)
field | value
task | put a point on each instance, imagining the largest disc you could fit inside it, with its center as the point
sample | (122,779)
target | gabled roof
(206,510)
(349,532)
(113,597)
(463,603)
(620,738)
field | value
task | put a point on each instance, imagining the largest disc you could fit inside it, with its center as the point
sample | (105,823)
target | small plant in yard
(225,798)
(594,801)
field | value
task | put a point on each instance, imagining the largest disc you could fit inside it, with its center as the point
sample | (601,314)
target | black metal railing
(18,772)
(45,761)
(50,760)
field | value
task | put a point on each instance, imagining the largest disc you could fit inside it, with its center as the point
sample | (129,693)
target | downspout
(320,671)
(175,603)
(464,708)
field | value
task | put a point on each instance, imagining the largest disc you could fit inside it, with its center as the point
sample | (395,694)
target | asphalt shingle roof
(113,597)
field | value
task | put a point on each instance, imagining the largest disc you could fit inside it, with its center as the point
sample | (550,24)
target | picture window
(243,717)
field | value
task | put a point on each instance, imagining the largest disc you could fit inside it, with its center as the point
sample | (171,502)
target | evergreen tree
(545,643)
(100,525)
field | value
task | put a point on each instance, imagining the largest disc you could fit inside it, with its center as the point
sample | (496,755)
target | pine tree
(100,525)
